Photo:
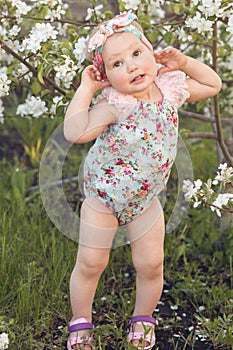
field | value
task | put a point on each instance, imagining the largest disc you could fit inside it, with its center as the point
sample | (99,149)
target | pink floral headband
(120,23)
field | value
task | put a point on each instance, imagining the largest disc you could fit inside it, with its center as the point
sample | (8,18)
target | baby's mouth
(138,78)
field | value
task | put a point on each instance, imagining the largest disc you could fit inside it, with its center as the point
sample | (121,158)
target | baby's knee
(92,264)
(149,266)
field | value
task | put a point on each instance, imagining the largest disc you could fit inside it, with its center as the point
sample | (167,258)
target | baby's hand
(91,79)
(172,59)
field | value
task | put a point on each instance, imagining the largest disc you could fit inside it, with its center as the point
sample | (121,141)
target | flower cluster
(21,8)
(4,82)
(56,8)
(199,23)
(134,4)
(131,4)
(230,24)
(94,11)
(33,106)
(40,33)
(203,20)
(80,50)
(202,193)
(65,72)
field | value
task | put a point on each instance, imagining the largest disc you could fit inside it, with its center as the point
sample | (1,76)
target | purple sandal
(80,324)
(144,336)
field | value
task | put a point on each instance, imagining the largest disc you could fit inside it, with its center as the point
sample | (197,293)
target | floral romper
(131,160)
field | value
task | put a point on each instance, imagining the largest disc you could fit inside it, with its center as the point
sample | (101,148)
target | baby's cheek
(118,82)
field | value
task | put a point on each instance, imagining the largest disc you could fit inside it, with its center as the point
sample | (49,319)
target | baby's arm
(81,124)
(203,82)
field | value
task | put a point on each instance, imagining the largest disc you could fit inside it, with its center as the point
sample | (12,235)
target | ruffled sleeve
(125,104)
(173,87)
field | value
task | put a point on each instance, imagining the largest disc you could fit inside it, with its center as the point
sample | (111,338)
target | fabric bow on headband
(120,23)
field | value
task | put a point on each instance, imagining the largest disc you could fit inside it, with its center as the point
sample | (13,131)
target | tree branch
(216,103)
(220,208)
(227,81)
(64,21)
(202,135)
(30,67)
(193,115)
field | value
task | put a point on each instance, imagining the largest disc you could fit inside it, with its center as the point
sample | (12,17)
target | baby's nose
(132,65)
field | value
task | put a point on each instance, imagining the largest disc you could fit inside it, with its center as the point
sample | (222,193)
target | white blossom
(56,9)
(25,72)
(33,106)
(182,35)
(41,32)
(200,23)
(56,103)
(80,50)
(5,57)
(189,188)
(14,31)
(196,204)
(4,83)
(224,175)
(14,45)
(155,8)
(131,4)
(21,8)
(44,31)
(31,45)
(230,24)
(198,184)
(220,201)
(66,72)
(3,31)
(211,8)
(4,341)
(96,10)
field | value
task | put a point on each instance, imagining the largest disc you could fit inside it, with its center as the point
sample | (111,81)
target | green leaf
(177,8)
(209,183)
(153,36)
(18,184)
(40,74)
(169,38)
(15,80)
(48,69)
(65,51)
(221,51)
(44,11)
(36,87)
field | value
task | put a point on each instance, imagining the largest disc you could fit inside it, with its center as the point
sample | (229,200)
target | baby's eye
(137,53)
(117,64)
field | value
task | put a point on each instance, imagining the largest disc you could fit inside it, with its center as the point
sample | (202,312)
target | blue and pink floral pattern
(130,162)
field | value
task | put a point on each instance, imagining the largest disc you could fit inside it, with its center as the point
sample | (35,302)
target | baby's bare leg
(147,255)
(97,230)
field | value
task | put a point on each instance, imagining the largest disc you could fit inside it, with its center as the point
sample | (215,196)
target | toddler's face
(129,64)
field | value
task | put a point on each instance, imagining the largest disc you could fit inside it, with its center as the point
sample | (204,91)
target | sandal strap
(142,318)
(80,324)
(80,327)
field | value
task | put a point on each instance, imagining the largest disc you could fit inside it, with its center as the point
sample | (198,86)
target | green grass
(36,262)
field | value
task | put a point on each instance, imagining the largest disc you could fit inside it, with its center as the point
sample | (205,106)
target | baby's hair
(95,30)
